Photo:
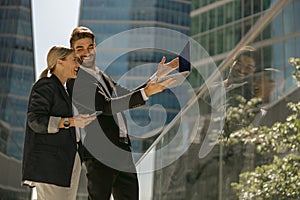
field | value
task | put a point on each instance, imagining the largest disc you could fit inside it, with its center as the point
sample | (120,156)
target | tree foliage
(281,178)
(296,63)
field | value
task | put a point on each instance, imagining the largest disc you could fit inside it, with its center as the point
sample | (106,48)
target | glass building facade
(221,27)
(16,70)
(16,79)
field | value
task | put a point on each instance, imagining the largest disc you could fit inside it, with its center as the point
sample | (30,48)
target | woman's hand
(83,120)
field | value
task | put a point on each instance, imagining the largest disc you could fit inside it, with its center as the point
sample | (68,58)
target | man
(240,78)
(263,84)
(107,156)
(243,66)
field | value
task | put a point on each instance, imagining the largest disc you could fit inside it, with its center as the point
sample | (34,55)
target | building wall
(10,179)
(219,26)
(16,69)
(16,79)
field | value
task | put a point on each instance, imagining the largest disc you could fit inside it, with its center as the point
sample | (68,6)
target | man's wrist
(153,77)
(144,95)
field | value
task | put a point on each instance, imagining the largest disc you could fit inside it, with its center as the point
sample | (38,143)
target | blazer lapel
(106,84)
(63,91)
(100,82)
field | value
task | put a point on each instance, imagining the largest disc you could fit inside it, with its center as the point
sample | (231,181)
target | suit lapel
(106,84)
(100,82)
(63,91)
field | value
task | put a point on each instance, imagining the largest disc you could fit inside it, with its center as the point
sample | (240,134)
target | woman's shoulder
(44,80)
(44,83)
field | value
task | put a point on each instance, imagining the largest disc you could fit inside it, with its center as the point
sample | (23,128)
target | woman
(52,144)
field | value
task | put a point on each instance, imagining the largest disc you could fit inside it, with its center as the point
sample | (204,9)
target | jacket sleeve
(89,95)
(39,106)
(125,99)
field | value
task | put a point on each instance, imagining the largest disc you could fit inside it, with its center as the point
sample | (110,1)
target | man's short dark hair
(79,33)
(245,51)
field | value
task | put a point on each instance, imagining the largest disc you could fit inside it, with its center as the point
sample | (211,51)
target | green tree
(279,179)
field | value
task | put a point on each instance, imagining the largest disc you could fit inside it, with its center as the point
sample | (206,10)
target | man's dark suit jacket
(48,157)
(102,135)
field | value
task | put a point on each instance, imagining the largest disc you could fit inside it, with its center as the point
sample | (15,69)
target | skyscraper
(16,79)
(16,69)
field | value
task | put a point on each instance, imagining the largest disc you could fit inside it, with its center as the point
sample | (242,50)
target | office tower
(17,70)
(16,79)
(220,25)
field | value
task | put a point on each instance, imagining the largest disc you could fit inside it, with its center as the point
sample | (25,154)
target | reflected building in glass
(16,79)
(219,26)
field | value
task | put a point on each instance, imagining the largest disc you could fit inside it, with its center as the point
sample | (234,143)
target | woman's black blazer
(48,157)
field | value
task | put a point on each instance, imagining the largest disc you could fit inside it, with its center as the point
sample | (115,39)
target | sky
(53,22)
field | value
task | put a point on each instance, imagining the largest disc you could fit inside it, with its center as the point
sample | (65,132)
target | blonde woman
(51,158)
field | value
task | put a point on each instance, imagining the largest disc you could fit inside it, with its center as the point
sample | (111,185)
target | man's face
(85,49)
(243,67)
(263,86)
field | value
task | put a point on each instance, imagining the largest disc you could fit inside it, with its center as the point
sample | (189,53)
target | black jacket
(102,135)
(48,157)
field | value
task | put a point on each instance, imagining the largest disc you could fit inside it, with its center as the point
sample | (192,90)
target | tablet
(95,113)
(184,59)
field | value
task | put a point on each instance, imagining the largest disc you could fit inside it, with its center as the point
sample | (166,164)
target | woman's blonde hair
(56,52)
